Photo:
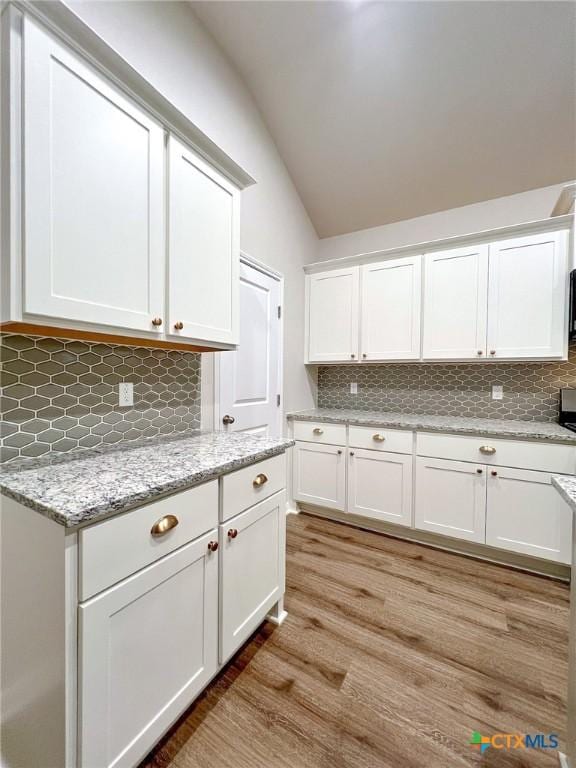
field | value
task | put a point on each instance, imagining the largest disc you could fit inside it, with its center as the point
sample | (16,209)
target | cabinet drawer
(374,438)
(241,489)
(312,432)
(506,453)
(116,548)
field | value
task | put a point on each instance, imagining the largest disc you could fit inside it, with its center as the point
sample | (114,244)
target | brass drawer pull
(379,438)
(165,524)
(317,431)
(157,321)
(232,533)
(179,325)
(212,546)
(487,449)
(259,480)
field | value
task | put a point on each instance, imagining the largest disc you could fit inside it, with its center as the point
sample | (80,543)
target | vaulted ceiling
(384,111)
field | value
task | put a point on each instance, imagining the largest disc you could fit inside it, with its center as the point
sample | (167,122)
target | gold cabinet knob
(317,431)
(364,355)
(479,471)
(179,325)
(480,352)
(351,453)
(487,450)
(494,473)
(259,480)
(163,525)
(339,452)
(492,351)
(352,356)
(378,438)
(157,321)
(232,533)
(212,546)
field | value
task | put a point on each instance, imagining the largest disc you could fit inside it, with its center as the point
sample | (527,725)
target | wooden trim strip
(29,329)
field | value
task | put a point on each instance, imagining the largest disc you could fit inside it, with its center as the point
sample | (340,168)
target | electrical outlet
(497,392)
(353,388)
(125,394)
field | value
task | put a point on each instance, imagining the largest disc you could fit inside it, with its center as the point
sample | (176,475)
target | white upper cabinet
(527,292)
(204,249)
(93,200)
(455,298)
(390,309)
(333,308)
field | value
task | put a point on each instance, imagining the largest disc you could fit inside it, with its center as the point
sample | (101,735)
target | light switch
(125,394)
(497,392)
(353,388)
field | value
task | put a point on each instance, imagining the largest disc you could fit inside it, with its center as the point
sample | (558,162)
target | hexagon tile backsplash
(62,395)
(531,390)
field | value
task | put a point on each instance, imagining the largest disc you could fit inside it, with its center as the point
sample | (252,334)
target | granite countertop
(524,430)
(83,490)
(566,484)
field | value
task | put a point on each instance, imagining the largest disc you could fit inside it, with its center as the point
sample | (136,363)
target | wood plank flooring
(392,655)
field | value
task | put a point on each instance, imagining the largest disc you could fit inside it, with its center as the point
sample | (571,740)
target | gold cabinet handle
(212,546)
(179,325)
(494,473)
(163,525)
(259,480)
(488,450)
(317,431)
(157,321)
(232,533)
(378,437)
(479,471)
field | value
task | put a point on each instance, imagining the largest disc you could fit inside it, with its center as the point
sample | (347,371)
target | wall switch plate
(353,388)
(125,394)
(497,392)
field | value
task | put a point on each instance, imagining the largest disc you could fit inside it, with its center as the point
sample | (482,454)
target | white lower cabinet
(451,498)
(148,646)
(380,486)
(251,570)
(320,475)
(526,514)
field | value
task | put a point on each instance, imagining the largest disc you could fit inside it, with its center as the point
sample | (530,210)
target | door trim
(210,369)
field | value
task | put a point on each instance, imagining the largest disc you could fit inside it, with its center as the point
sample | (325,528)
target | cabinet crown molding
(553,224)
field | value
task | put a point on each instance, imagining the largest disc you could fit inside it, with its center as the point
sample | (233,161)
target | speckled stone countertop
(82,490)
(524,430)
(567,486)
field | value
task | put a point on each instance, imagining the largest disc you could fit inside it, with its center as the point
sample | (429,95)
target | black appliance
(572,314)
(568,409)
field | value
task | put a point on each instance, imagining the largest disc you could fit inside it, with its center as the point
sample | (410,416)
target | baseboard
(469,549)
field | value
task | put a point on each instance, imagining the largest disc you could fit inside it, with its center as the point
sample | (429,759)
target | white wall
(168,45)
(500,212)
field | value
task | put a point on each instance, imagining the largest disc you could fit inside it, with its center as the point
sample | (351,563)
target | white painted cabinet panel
(528,284)
(455,303)
(147,647)
(319,475)
(204,250)
(390,309)
(93,201)
(526,514)
(380,486)
(333,309)
(451,498)
(252,570)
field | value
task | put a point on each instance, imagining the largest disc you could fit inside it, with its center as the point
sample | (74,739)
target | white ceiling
(384,111)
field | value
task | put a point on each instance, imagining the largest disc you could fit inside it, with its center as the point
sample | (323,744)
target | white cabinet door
(147,647)
(93,201)
(380,486)
(455,297)
(252,555)
(332,309)
(528,286)
(204,250)
(451,498)
(390,319)
(526,514)
(320,475)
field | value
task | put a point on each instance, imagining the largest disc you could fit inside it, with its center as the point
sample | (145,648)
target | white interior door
(249,377)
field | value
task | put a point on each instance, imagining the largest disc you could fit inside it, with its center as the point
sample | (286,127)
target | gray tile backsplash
(456,389)
(62,395)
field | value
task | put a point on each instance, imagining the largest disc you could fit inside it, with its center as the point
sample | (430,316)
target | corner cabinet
(116,226)
(496,299)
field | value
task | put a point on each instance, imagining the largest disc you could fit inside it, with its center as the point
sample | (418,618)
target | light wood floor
(392,654)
